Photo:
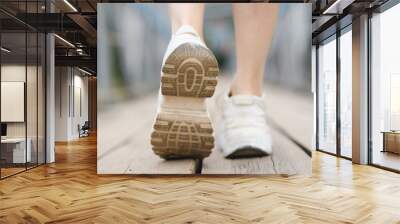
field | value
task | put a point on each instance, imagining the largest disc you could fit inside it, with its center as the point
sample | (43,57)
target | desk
(391,141)
(13,150)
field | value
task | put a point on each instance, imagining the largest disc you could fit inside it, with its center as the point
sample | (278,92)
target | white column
(360,90)
(314,92)
(50,92)
(50,99)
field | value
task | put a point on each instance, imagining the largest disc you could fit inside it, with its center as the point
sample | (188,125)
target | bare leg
(187,14)
(254,28)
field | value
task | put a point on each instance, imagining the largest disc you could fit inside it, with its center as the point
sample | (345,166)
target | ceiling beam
(84,24)
(337,7)
(82,61)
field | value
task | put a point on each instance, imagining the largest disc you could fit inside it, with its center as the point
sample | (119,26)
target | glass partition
(22,101)
(327,95)
(31,99)
(14,153)
(41,96)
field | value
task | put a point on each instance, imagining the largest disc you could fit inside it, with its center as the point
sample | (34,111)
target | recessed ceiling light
(84,71)
(70,5)
(65,41)
(338,6)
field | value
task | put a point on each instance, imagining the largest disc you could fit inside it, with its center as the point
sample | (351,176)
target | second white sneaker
(242,130)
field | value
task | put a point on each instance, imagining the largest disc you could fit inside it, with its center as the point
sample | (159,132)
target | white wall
(16,73)
(33,126)
(12,101)
(62,81)
(70,83)
(79,117)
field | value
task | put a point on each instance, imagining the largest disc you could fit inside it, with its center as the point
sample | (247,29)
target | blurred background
(132,39)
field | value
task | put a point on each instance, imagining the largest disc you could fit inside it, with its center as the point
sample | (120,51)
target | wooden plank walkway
(124,141)
(287,157)
(124,146)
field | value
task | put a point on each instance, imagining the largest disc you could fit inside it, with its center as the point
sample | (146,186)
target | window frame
(334,37)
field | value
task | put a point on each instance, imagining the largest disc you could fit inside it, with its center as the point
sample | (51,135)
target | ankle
(186,29)
(238,88)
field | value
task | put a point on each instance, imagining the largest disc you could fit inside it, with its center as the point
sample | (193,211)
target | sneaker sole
(183,128)
(247,152)
(190,71)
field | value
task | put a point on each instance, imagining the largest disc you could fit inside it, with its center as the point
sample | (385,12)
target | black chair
(84,130)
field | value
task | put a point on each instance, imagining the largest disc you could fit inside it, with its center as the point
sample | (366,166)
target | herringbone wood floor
(70,191)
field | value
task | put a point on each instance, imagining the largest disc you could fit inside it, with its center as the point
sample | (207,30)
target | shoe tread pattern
(190,71)
(177,139)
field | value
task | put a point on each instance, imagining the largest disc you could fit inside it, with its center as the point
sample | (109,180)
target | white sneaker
(182,128)
(243,130)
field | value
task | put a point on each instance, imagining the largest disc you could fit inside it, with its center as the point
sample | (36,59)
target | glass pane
(13,86)
(31,88)
(31,98)
(346,93)
(327,96)
(41,98)
(386,89)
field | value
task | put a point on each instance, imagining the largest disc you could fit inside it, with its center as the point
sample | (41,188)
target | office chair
(84,130)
